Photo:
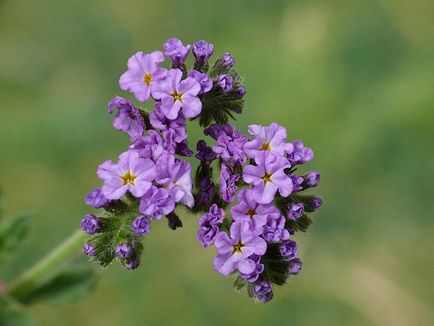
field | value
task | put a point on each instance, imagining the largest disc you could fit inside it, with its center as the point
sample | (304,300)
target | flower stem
(33,277)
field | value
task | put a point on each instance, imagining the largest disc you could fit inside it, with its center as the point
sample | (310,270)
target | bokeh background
(352,79)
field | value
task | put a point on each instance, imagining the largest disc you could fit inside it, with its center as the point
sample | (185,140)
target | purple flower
(202,51)
(132,173)
(274,230)
(156,203)
(89,249)
(206,190)
(228,184)
(295,211)
(270,138)
(205,153)
(142,73)
(240,91)
(225,83)
(132,264)
(128,119)
(176,95)
(263,290)
(215,130)
(230,143)
(96,199)
(234,251)
(311,179)
(160,122)
(209,225)
(295,266)
(153,145)
(124,250)
(227,61)
(141,225)
(175,176)
(296,182)
(288,249)
(176,51)
(248,209)
(268,176)
(300,154)
(312,203)
(259,268)
(90,224)
(182,149)
(203,79)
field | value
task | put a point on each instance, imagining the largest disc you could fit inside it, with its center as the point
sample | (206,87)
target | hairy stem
(34,277)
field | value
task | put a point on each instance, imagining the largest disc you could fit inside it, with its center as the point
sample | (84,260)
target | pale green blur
(352,79)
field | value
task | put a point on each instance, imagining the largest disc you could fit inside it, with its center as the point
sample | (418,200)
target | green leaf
(65,287)
(13,317)
(11,234)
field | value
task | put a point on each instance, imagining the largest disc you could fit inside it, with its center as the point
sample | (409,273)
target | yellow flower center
(266,147)
(177,96)
(237,247)
(128,178)
(251,212)
(147,79)
(267,177)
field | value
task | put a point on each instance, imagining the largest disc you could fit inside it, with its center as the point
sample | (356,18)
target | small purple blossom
(160,122)
(205,153)
(225,83)
(274,230)
(295,266)
(156,203)
(89,249)
(90,224)
(270,138)
(206,190)
(228,184)
(176,51)
(202,51)
(132,173)
(176,95)
(132,264)
(263,290)
(203,79)
(248,209)
(233,252)
(230,143)
(311,179)
(312,203)
(140,225)
(268,176)
(295,210)
(96,199)
(209,225)
(182,149)
(300,154)
(153,146)
(142,73)
(297,182)
(128,119)
(240,91)
(124,250)
(259,268)
(288,249)
(227,61)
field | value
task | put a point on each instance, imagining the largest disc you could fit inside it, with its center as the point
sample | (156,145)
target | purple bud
(263,290)
(141,225)
(132,265)
(206,190)
(205,153)
(124,250)
(225,83)
(202,51)
(296,182)
(96,199)
(89,249)
(176,51)
(288,249)
(295,210)
(90,224)
(203,79)
(182,149)
(227,61)
(240,91)
(311,179)
(313,203)
(295,266)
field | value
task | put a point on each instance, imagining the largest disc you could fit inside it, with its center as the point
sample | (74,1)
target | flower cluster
(245,186)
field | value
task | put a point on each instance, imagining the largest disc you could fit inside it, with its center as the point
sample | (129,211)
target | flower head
(175,95)
(128,119)
(311,179)
(230,143)
(295,266)
(259,268)
(176,51)
(274,230)
(209,225)
(90,224)
(227,61)
(141,225)
(89,249)
(233,252)
(202,51)
(228,184)
(156,203)
(225,83)
(288,249)
(96,199)
(295,210)
(263,290)
(300,154)
(124,250)
(142,73)
(160,122)
(203,79)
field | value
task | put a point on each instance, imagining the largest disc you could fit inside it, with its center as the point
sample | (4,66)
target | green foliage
(15,317)
(275,266)
(12,233)
(67,286)
(300,224)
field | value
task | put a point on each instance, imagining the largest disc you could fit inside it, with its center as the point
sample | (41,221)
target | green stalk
(35,276)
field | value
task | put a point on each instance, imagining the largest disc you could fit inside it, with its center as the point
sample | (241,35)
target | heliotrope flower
(263,290)
(288,249)
(311,179)
(295,266)
(230,143)
(209,225)
(270,138)
(274,230)
(90,224)
(160,122)
(295,210)
(300,154)
(228,184)
(128,119)
(176,94)
(225,83)
(96,199)
(233,252)
(142,73)
(259,268)
(203,79)
(153,145)
(268,176)
(156,203)
(205,153)
(206,190)
(176,51)
(140,225)
(132,173)
(202,51)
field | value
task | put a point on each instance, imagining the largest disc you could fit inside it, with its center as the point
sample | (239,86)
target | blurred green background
(352,79)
